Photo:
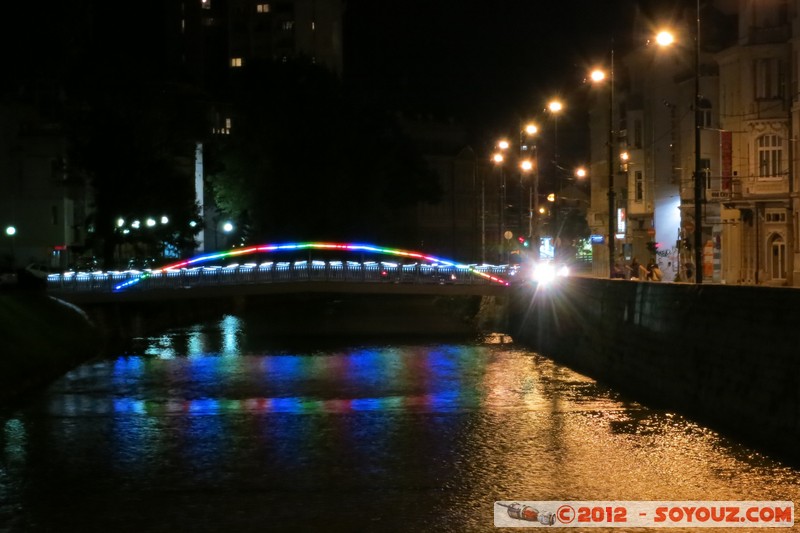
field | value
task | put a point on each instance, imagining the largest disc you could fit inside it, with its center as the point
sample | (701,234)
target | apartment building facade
(745,111)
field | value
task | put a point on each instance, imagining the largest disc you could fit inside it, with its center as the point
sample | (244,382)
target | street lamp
(555,107)
(529,163)
(599,76)
(11,232)
(666,38)
(498,159)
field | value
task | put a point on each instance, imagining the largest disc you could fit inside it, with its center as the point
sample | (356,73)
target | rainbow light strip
(348,247)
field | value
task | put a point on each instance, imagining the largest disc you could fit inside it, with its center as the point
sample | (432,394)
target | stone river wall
(728,356)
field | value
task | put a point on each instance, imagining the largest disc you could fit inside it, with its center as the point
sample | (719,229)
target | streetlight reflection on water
(219,415)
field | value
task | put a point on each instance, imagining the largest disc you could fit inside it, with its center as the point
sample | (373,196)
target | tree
(135,143)
(305,161)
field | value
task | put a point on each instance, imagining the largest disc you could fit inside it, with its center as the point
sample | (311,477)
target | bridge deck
(281,278)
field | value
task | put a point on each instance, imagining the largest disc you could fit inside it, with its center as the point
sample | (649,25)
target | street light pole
(611,160)
(698,183)
(555,108)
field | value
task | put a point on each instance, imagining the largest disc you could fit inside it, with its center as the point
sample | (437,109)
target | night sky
(487,63)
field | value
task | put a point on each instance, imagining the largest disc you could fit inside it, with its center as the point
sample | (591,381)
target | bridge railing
(278,272)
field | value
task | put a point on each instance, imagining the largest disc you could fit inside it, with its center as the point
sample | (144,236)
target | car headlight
(544,273)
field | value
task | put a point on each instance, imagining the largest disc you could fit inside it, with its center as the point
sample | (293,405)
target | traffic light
(524,241)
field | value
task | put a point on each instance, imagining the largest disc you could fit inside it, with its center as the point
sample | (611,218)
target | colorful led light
(348,247)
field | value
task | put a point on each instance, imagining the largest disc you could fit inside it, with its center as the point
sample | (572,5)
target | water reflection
(405,437)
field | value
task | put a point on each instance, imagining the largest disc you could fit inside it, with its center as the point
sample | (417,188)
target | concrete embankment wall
(728,356)
(40,339)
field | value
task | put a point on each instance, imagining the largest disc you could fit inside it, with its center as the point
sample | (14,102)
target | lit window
(313,26)
(770,156)
(287,25)
(262,8)
(228,124)
(236,62)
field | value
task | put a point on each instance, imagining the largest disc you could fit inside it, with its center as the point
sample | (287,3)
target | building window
(704,113)
(775,216)
(637,133)
(705,173)
(778,259)
(638,186)
(262,8)
(205,4)
(287,25)
(767,78)
(236,62)
(770,156)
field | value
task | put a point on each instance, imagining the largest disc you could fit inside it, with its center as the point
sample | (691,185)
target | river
(218,427)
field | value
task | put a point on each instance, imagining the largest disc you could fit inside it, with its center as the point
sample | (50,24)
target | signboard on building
(621,220)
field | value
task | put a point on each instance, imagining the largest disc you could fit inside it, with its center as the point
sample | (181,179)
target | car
(546,272)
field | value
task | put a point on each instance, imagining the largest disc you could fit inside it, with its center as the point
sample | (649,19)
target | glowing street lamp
(555,107)
(528,164)
(599,76)
(580,173)
(665,38)
(11,232)
(498,159)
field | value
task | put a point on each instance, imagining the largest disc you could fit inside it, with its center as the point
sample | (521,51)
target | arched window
(777,260)
(770,156)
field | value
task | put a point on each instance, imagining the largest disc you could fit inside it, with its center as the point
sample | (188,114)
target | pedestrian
(635,269)
(617,273)
(654,272)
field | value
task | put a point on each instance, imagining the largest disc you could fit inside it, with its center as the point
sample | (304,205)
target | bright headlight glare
(544,273)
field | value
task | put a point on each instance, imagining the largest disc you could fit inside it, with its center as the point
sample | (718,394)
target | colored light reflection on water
(209,428)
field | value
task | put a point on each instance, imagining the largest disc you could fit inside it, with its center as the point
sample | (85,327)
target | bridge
(278,270)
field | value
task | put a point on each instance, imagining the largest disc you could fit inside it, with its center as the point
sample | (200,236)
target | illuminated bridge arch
(308,246)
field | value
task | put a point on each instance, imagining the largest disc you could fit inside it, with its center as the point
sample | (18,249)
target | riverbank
(724,355)
(41,338)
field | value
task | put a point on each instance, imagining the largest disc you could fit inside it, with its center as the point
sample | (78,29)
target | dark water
(218,428)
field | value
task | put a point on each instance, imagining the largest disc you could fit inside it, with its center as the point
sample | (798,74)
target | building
(745,108)
(757,90)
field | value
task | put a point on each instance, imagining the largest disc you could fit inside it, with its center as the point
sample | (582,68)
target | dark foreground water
(218,428)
